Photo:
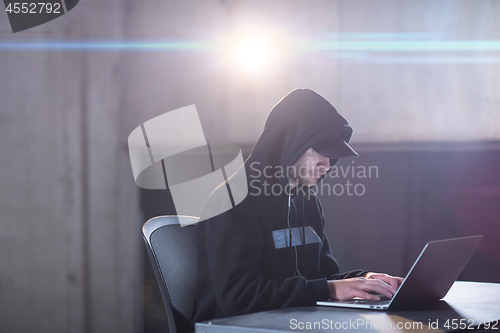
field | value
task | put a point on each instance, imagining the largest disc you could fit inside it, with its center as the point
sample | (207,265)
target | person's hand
(393,281)
(343,290)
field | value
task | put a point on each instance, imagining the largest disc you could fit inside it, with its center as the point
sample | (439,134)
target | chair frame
(148,229)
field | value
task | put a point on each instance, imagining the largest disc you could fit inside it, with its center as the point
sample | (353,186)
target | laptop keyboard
(368,302)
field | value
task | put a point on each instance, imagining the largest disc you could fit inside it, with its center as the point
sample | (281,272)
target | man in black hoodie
(271,251)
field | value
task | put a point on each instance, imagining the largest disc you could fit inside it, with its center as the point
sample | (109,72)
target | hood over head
(303,119)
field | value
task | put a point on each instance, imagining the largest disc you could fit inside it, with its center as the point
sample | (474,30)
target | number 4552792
(462,324)
(33,8)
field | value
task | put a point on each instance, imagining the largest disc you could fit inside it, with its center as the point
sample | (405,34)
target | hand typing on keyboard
(393,281)
(361,287)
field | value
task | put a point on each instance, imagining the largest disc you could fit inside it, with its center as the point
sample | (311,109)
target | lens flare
(252,54)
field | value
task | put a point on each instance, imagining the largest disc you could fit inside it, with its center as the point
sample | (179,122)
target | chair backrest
(172,250)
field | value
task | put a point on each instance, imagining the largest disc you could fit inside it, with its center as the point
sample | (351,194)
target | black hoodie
(245,260)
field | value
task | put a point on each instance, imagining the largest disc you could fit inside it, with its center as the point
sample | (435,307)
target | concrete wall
(381,220)
(388,96)
(69,219)
(69,212)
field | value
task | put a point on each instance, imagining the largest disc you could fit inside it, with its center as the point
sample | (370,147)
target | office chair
(172,250)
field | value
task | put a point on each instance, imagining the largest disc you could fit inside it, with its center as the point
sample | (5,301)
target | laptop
(431,276)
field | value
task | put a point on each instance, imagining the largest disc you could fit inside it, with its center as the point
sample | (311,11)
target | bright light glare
(252,54)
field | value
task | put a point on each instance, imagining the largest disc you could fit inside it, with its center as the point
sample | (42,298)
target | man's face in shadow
(309,168)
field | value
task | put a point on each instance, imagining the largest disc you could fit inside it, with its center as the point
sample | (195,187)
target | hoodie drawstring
(297,272)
